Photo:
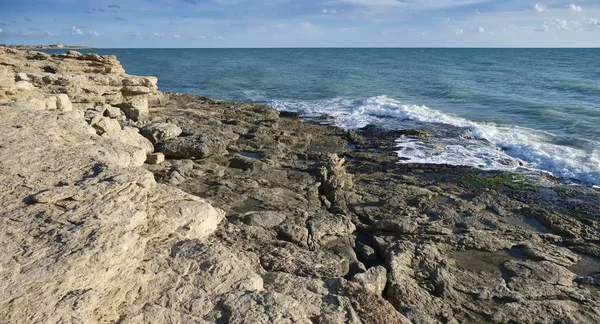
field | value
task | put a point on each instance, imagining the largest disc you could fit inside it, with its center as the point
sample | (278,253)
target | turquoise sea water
(515,108)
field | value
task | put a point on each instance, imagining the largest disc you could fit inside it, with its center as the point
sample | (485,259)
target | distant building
(58,45)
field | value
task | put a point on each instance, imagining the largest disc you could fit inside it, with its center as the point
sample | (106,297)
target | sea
(508,109)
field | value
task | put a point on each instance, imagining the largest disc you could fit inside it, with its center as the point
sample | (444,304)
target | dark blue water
(532,108)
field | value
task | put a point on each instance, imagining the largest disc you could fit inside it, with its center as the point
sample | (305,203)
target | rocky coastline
(120,203)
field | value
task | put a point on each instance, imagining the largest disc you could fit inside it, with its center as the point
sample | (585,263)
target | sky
(302,23)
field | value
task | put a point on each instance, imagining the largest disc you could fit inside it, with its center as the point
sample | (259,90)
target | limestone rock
(294,260)
(325,227)
(292,233)
(63,103)
(194,147)
(112,112)
(107,125)
(265,219)
(543,271)
(136,110)
(336,182)
(51,103)
(373,280)
(264,307)
(558,255)
(160,132)
(21,77)
(86,219)
(396,226)
(155,158)
(24,85)
(245,163)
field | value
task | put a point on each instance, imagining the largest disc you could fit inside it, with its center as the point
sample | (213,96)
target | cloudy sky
(302,23)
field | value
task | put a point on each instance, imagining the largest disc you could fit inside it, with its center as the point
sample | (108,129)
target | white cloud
(176,36)
(330,11)
(424,33)
(575,8)
(0,30)
(95,33)
(540,7)
(458,31)
(592,22)
(308,28)
(218,37)
(158,35)
(561,24)
(201,37)
(76,31)
(542,28)
(478,29)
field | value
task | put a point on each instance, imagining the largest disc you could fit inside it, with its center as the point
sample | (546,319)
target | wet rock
(245,163)
(544,271)
(558,255)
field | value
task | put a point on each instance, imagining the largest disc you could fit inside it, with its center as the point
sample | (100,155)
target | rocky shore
(120,203)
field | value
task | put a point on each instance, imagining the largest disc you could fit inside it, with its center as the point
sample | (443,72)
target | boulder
(112,112)
(107,125)
(160,132)
(135,90)
(94,115)
(194,147)
(374,279)
(136,110)
(51,103)
(21,77)
(63,103)
(24,85)
(265,219)
(155,158)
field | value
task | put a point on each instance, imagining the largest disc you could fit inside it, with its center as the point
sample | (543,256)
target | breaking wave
(480,144)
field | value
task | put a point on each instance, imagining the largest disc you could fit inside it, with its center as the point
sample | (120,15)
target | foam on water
(482,145)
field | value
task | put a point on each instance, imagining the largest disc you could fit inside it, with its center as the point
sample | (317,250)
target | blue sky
(302,23)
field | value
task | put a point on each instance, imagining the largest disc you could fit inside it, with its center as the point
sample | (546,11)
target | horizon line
(341,47)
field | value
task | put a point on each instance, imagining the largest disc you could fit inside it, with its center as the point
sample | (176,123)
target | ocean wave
(484,145)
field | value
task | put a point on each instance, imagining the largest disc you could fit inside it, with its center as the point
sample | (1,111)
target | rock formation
(257,217)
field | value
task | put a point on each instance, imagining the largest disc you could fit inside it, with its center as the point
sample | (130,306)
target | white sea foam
(484,145)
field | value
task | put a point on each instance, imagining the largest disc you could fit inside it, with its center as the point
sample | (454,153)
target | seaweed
(506,179)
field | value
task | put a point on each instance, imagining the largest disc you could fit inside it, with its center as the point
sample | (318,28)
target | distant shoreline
(45,47)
